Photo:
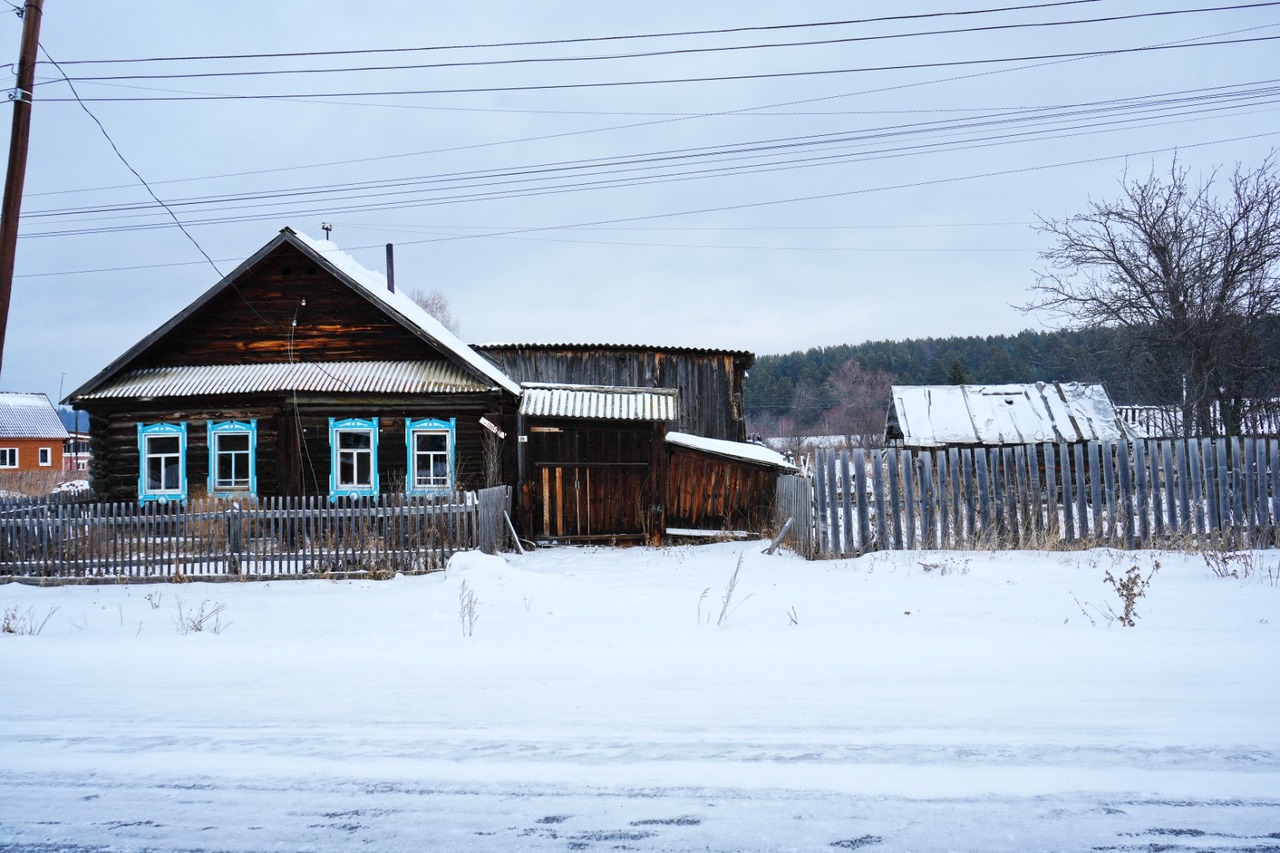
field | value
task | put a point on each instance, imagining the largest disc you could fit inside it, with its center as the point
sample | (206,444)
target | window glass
(430,462)
(355,459)
(8,457)
(164,463)
(231,451)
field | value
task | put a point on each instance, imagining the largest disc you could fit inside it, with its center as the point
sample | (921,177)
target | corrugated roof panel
(365,377)
(595,402)
(24,415)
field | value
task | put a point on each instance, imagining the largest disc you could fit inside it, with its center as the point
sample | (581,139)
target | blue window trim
(351,424)
(249,428)
(431,425)
(144,432)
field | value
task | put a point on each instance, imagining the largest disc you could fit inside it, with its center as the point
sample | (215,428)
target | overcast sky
(824,194)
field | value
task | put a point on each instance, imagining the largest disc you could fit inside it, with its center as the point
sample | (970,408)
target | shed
(710,381)
(932,416)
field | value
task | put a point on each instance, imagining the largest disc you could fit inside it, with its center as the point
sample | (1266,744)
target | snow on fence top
(987,415)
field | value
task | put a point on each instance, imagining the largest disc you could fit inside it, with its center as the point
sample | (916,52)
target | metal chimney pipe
(391,269)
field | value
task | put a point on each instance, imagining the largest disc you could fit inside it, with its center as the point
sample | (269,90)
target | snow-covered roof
(28,415)
(367,377)
(598,402)
(375,284)
(755,453)
(946,415)
(372,284)
(563,345)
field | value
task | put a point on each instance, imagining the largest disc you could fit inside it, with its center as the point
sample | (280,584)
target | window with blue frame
(353,446)
(430,445)
(162,456)
(233,450)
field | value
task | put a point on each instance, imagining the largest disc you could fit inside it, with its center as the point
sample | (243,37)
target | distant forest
(796,389)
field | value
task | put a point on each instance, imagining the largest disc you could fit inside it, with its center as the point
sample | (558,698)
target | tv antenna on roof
(326,228)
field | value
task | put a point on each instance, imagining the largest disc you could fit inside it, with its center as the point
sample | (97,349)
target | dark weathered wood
(1082,492)
(953,464)
(860,487)
(1144,492)
(1223,473)
(820,485)
(970,496)
(983,482)
(1106,452)
(1182,472)
(928,510)
(1095,488)
(1053,528)
(846,505)
(1125,484)
(944,501)
(882,506)
(1068,513)
(1195,462)
(909,495)
(893,500)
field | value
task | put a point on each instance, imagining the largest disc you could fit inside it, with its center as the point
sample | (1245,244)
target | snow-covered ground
(898,702)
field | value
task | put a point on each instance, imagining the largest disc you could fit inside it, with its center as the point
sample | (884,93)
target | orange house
(31,433)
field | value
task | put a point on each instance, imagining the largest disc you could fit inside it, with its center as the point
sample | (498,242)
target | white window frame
(352,426)
(148,432)
(45,456)
(8,457)
(429,426)
(219,430)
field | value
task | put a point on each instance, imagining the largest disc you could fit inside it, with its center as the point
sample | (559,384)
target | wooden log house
(302,373)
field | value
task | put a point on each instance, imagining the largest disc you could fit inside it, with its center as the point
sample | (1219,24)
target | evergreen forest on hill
(799,386)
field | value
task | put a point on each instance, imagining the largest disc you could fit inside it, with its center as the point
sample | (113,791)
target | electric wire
(684,51)
(720,78)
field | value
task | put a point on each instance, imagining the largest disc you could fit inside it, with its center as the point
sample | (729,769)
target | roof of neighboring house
(24,415)
(946,415)
(757,454)
(369,377)
(371,285)
(598,402)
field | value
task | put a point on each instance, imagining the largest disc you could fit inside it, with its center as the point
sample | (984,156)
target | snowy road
(597,707)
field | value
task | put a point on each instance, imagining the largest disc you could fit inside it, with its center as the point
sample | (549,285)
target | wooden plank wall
(707,492)
(274,537)
(710,383)
(1127,495)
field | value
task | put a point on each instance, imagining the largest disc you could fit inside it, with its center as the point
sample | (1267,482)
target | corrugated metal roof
(366,377)
(989,415)
(25,415)
(541,400)
(608,346)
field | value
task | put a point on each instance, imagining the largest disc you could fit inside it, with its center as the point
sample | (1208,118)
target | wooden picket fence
(1044,495)
(265,538)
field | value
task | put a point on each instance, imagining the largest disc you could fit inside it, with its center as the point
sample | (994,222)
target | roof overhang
(598,402)
(336,377)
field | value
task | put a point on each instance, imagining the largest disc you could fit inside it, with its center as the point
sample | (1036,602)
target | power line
(277,72)
(605,84)
(129,166)
(584,40)
(1051,124)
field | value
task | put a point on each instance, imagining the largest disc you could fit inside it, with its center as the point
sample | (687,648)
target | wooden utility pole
(11,206)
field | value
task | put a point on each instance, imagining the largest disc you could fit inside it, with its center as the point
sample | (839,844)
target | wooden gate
(590,482)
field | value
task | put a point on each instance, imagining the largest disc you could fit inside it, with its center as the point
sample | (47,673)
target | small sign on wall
(492,427)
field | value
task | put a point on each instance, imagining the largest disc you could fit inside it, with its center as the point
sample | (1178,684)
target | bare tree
(435,304)
(1188,273)
(862,397)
